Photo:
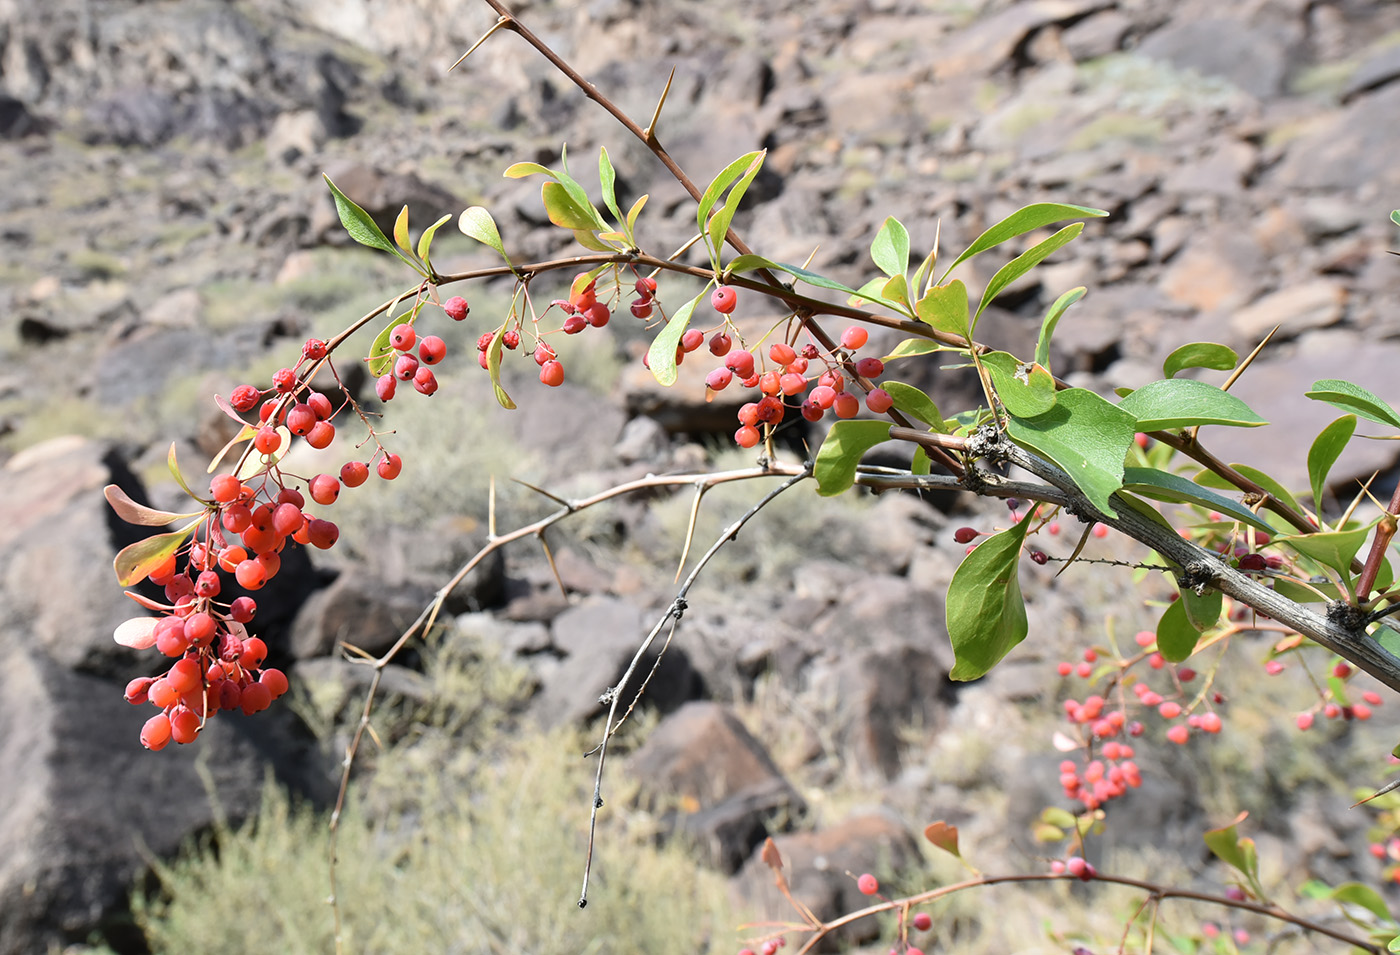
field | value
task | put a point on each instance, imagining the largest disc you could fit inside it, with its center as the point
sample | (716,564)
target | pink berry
(314,349)
(324,489)
(456,308)
(424,381)
(870,368)
(692,339)
(868,884)
(854,337)
(321,435)
(405,368)
(245,398)
(432,350)
(922,920)
(781,353)
(597,314)
(720,344)
(1305,721)
(846,405)
(724,299)
(390,466)
(719,378)
(300,419)
(1179,734)
(740,362)
(879,401)
(385,386)
(402,336)
(747,436)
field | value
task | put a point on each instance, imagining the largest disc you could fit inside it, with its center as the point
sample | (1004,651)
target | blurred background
(166,236)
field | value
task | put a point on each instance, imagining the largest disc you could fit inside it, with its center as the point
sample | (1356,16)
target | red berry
(1064,668)
(811,410)
(552,373)
(740,362)
(747,436)
(385,386)
(1305,720)
(354,473)
(922,920)
(250,575)
(225,488)
(879,401)
(854,337)
(870,367)
(242,609)
(692,339)
(724,299)
(322,534)
(267,441)
(1179,734)
(390,466)
(324,489)
(574,324)
(846,405)
(432,350)
(456,308)
(184,725)
(781,353)
(641,309)
(720,344)
(511,339)
(792,384)
(718,379)
(868,884)
(597,314)
(156,733)
(314,349)
(137,689)
(402,336)
(424,381)
(965,535)
(245,398)
(275,680)
(405,368)
(321,435)
(1169,710)
(646,286)
(284,380)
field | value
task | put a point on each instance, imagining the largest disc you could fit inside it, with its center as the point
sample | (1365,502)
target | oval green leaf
(477,223)
(1353,398)
(1325,450)
(1023,263)
(1021,221)
(1186,403)
(661,356)
(986,614)
(1025,390)
(1176,638)
(563,210)
(945,309)
(1052,318)
(890,250)
(1200,355)
(845,443)
(1173,488)
(914,403)
(1086,436)
(913,348)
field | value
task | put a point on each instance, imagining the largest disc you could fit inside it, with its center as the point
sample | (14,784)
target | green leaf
(1325,450)
(564,210)
(1225,844)
(890,250)
(1184,403)
(1395,217)
(1200,355)
(425,241)
(1333,549)
(869,292)
(1353,398)
(896,290)
(358,223)
(1022,221)
(476,223)
(841,451)
(591,240)
(1272,487)
(522,169)
(174,466)
(914,403)
(1165,486)
(1052,318)
(661,356)
(1025,390)
(1086,436)
(1023,263)
(719,222)
(1176,638)
(607,177)
(914,347)
(986,615)
(920,463)
(720,183)
(401,230)
(135,562)
(381,353)
(635,211)
(493,367)
(1202,610)
(945,309)
(1355,893)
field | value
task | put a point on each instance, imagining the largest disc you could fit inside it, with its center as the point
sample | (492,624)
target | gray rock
(1296,309)
(1252,56)
(712,783)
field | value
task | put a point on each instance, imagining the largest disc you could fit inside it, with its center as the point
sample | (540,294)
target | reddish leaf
(771,857)
(133,513)
(148,603)
(943,836)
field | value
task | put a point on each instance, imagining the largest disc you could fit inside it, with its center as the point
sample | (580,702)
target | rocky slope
(166,231)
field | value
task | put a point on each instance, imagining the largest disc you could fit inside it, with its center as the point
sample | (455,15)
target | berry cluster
(248,522)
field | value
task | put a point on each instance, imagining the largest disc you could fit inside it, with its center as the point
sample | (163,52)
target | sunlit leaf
(722,182)
(914,403)
(134,513)
(1022,221)
(1022,264)
(425,241)
(477,223)
(174,467)
(357,222)
(845,443)
(1185,403)
(661,356)
(401,229)
(138,633)
(890,250)
(607,177)
(719,222)
(1086,436)
(944,308)
(522,169)
(1025,390)
(135,562)
(1200,355)
(1052,319)
(564,210)
(1334,549)
(1355,399)
(914,347)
